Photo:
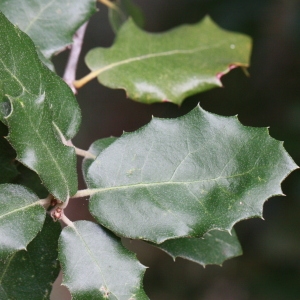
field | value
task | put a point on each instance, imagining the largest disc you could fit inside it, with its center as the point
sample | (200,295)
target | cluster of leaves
(178,184)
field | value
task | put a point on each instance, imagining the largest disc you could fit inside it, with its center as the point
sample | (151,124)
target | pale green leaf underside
(183,177)
(214,248)
(29,275)
(96,265)
(37,104)
(50,23)
(156,67)
(21,218)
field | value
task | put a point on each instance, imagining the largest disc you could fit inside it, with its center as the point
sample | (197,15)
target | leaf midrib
(90,252)
(5,270)
(38,15)
(93,191)
(20,209)
(50,153)
(152,55)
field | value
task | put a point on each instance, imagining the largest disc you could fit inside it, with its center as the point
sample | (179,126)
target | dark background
(270,266)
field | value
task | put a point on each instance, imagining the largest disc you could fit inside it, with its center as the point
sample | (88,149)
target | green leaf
(42,107)
(97,266)
(186,176)
(50,24)
(96,148)
(29,275)
(170,66)
(214,248)
(7,156)
(21,218)
(122,9)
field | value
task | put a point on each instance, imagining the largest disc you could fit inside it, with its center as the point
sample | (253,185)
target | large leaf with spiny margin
(29,274)
(50,24)
(21,218)
(169,66)
(97,266)
(186,176)
(214,248)
(38,107)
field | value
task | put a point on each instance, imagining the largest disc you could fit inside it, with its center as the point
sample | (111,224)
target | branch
(81,82)
(66,220)
(84,193)
(70,71)
(69,143)
(47,201)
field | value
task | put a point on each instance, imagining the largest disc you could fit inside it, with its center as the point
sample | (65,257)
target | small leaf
(7,156)
(29,275)
(214,248)
(186,176)
(97,266)
(122,9)
(96,148)
(170,66)
(41,107)
(50,24)
(21,218)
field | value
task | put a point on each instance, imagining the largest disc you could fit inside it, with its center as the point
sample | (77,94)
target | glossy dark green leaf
(29,275)
(41,107)
(170,66)
(186,176)
(214,248)
(50,24)
(7,155)
(96,148)
(97,266)
(21,218)
(123,9)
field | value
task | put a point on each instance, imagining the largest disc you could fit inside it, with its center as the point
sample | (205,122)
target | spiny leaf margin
(21,218)
(41,109)
(184,177)
(212,249)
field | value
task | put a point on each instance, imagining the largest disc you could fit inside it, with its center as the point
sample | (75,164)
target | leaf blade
(175,69)
(214,248)
(42,107)
(186,176)
(30,274)
(113,272)
(50,24)
(21,218)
